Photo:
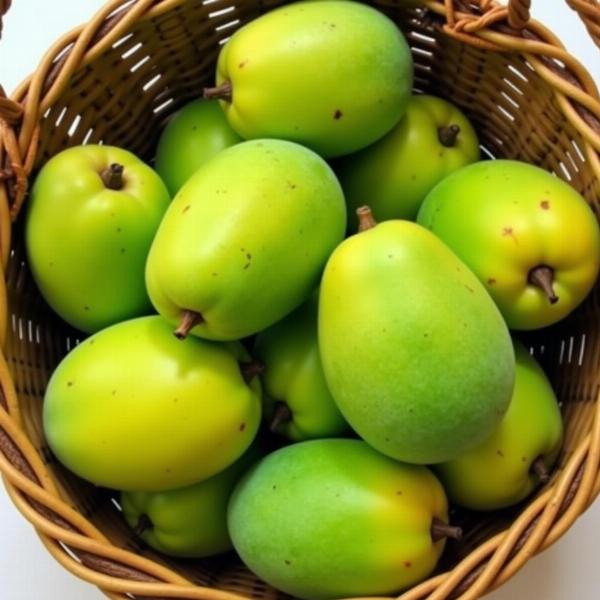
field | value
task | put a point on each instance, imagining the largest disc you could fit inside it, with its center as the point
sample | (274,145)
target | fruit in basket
(135,409)
(415,353)
(91,218)
(334,518)
(518,456)
(189,522)
(333,76)
(193,136)
(297,402)
(531,238)
(245,240)
(392,174)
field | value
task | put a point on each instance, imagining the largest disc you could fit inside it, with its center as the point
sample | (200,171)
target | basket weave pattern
(116,80)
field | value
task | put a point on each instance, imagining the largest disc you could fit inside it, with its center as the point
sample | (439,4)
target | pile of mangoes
(379,355)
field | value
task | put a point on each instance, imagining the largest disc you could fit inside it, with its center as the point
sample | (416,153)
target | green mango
(193,136)
(90,221)
(333,76)
(531,238)
(245,240)
(189,522)
(415,353)
(517,457)
(395,173)
(296,400)
(334,518)
(135,409)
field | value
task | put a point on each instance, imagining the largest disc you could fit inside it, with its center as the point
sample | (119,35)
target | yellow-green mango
(414,350)
(245,240)
(135,409)
(395,173)
(91,218)
(189,522)
(530,237)
(297,402)
(512,462)
(192,136)
(333,76)
(333,518)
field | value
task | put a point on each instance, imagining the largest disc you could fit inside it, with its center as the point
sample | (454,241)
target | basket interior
(125,96)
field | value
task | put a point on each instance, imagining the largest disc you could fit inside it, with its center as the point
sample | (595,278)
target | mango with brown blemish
(334,518)
(531,238)
(245,240)
(334,76)
(133,408)
(518,456)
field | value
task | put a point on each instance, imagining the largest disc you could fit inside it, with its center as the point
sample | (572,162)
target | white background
(569,570)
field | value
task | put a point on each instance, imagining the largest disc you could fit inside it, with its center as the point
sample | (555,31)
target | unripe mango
(334,518)
(333,76)
(415,353)
(245,240)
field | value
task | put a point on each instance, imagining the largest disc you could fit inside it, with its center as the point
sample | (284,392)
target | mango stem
(281,415)
(538,468)
(189,320)
(224,91)
(144,523)
(112,176)
(448,135)
(543,277)
(441,530)
(250,370)
(366,220)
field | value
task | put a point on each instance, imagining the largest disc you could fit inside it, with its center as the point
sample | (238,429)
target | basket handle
(519,13)
(4,6)
(10,111)
(588,10)
(13,175)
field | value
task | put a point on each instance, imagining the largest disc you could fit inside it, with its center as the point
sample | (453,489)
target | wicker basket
(117,80)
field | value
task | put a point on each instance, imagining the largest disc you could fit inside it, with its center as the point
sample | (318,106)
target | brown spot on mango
(338,114)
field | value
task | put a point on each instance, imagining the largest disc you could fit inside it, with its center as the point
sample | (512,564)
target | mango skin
(294,375)
(305,72)
(193,136)
(497,473)
(245,240)
(415,353)
(135,409)
(86,244)
(503,218)
(392,175)
(189,522)
(334,518)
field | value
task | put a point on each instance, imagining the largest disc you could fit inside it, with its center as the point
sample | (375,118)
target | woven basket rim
(27,479)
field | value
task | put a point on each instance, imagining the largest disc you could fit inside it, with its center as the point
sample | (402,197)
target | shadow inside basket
(125,96)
